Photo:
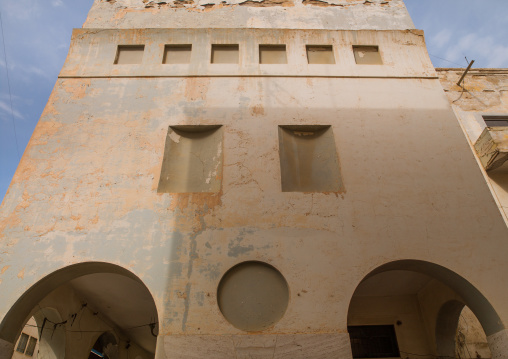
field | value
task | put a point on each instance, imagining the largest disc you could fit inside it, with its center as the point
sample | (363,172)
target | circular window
(253,296)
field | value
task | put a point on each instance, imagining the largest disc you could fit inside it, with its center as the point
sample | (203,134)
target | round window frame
(269,265)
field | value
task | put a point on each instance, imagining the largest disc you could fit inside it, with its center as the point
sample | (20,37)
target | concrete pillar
(6,349)
(498,344)
(160,353)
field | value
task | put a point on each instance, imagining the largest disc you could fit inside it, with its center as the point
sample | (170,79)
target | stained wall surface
(410,187)
(86,188)
(274,14)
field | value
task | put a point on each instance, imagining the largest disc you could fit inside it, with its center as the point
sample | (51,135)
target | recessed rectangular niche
(225,54)
(272,54)
(192,160)
(308,159)
(367,55)
(177,54)
(320,54)
(496,120)
(129,54)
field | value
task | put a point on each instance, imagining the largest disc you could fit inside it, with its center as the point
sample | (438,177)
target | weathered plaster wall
(93,52)
(86,188)
(285,14)
(485,92)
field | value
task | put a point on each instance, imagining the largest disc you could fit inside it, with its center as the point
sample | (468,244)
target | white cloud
(496,55)
(485,50)
(32,70)
(22,9)
(57,3)
(441,38)
(462,48)
(4,96)
(6,108)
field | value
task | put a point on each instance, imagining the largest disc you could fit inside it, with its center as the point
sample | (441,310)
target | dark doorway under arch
(422,302)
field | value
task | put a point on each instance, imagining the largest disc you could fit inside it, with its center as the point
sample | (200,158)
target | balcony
(492,147)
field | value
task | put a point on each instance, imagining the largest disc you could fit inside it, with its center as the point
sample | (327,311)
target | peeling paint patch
(258,110)
(212,271)
(267,3)
(235,249)
(21,273)
(196,200)
(321,3)
(174,137)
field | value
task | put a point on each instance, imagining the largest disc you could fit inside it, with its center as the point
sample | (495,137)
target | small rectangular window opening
(31,346)
(129,54)
(192,160)
(225,54)
(496,121)
(373,341)
(367,55)
(320,54)
(177,54)
(308,159)
(272,54)
(23,340)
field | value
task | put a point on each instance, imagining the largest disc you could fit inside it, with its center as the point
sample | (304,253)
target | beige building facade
(252,179)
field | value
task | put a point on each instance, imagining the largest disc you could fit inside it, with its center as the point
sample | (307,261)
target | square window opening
(373,341)
(22,342)
(31,346)
(129,54)
(225,54)
(308,159)
(320,54)
(192,160)
(367,55)
(177,54)
(272,54)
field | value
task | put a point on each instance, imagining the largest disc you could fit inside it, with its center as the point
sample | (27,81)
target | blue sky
(37,36)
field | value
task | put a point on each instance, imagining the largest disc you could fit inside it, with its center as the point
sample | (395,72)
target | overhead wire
(89,331)
(9,87)
(446,60)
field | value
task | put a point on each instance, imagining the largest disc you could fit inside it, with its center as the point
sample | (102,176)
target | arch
(476,301)
(437,296)
(51,337)
(446,328)
(91,280)
(107,345)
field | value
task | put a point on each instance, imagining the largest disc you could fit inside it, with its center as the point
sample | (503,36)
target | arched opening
(76,305)
(446,328)
(106,346)
(459,334)
(414,308)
